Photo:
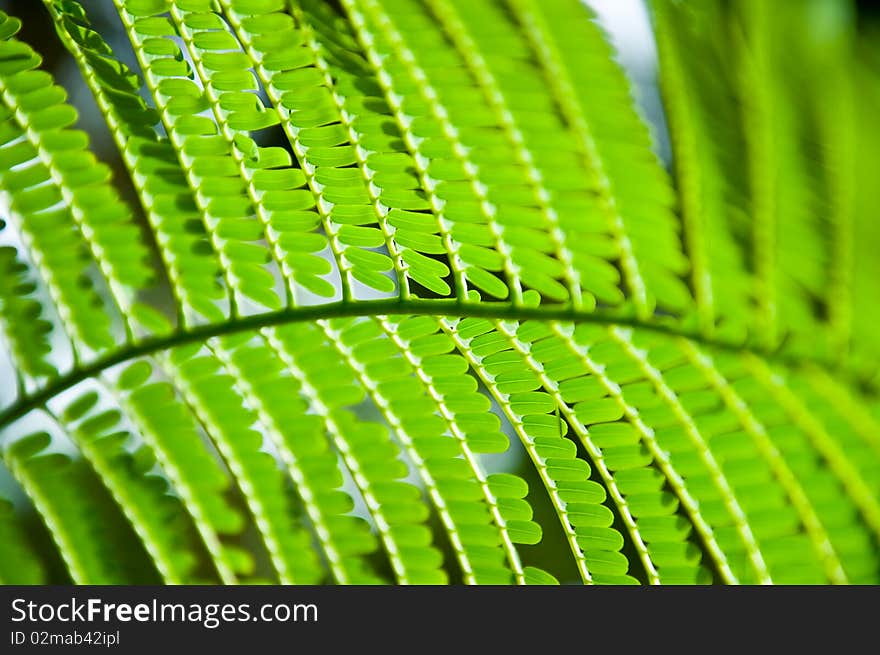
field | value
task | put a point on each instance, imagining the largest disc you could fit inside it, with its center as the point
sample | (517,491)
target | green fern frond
(25,332)
(60,199)
(19,562)
(299,440)
(93,538)
(865,231)
(702,126)
(373,461)
(167,426)
(631,192)
(150,159)
(789,252)
(206,389)
(158,518)
(406,295)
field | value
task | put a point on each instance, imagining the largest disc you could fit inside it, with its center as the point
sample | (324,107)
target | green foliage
(401,293)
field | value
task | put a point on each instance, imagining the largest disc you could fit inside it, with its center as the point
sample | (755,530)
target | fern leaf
(19,563)
(857,537)
(601,360)
(624,466)
(833,123)
(848,408)
(42,165)
(817,535)
(703,143)
(404,182)
(158,518)
(667,432)
(590,520)
(411,298)
(213,168)
(24,329)
(60,157)
(784,230)
(239,115)
(425,349)
(476,541)
(300,441)
(580,72)
(173,434)
(485,257)
(370,457)
(94,540)
(303,78)
(206,388)
(503,99)
(865,230)
(460,79)
(162,189)
(553,455)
